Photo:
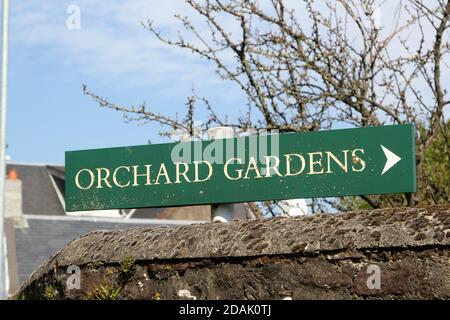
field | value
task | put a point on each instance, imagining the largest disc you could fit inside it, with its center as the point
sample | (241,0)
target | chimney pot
(13,175)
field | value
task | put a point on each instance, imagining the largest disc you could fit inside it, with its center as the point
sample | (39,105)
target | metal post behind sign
(221,212)
(4,91)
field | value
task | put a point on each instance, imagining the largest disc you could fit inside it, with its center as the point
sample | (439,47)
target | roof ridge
(24,163)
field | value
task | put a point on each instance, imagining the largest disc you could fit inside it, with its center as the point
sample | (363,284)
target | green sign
(343,162)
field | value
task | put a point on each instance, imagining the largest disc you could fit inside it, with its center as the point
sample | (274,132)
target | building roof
(38,193)
(46,235)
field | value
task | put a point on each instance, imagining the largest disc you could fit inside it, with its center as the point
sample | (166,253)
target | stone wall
(327,256)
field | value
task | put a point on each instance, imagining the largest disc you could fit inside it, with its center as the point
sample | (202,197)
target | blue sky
(111,53)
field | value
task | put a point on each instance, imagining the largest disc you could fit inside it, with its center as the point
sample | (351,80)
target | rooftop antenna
(3,108)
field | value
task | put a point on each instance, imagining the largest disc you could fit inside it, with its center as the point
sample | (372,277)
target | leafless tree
(309,65)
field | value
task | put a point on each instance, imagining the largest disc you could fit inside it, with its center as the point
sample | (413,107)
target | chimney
(13,198)
(12,175)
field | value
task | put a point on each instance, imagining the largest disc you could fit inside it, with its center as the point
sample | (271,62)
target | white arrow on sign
(391,159)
